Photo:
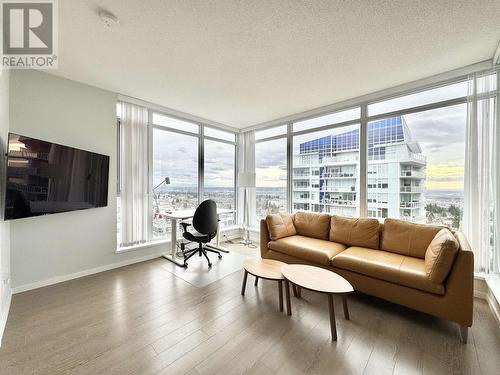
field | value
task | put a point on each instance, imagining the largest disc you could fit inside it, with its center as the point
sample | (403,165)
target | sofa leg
(464,331)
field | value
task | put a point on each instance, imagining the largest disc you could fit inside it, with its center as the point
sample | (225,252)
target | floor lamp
(246,180)
(165,181)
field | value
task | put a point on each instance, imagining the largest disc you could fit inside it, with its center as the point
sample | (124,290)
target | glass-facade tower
(326,173)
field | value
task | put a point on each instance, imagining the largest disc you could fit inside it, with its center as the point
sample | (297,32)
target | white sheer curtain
(481,186)
(246,164)
(134,174)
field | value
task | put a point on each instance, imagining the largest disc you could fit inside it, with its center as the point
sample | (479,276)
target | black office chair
(205,223)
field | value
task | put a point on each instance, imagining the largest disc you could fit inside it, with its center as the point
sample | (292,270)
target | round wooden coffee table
(318,280)
(264,269)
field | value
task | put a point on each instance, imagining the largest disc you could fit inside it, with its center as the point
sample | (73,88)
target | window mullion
(289,168)
(201,164)
(363,160)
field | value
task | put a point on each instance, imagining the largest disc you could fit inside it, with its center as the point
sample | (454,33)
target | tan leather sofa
(425,267)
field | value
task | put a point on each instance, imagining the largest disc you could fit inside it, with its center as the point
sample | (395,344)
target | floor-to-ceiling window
(175,155)
(191,156)
(413,166)
(219,171)
(416,156)
(271,171)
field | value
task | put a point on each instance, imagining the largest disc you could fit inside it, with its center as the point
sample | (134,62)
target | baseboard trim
(481,295)
(487,295)
(495,308)
(5,314)
(76,275)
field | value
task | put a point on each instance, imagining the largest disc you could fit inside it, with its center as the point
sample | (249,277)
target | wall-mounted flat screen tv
(45,178)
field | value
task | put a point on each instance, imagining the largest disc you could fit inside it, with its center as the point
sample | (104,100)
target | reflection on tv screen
(45,178)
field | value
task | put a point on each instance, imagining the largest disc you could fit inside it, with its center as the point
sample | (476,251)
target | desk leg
(333,326)
(173,248)
(217,240)
(173,240)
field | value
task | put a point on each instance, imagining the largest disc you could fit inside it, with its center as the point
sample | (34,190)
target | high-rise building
(326,173)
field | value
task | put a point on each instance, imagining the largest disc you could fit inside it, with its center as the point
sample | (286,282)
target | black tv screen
(46,178)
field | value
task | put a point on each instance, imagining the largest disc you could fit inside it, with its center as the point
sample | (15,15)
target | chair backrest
(205,217)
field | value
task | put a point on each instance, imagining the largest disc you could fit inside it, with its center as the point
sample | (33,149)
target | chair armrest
(184,225)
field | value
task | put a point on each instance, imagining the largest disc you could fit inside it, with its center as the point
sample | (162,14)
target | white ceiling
(241,63)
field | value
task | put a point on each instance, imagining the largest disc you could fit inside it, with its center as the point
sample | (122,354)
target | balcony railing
(411,157)
(339,202)
(340,160)
(412,173)
(338,175)
(416,204)
(410,189)
(346,189)
(413,218)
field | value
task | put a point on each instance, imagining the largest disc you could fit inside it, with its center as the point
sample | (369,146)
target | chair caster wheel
(209,265)
(220,256)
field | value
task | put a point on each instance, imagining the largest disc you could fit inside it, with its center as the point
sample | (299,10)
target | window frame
(363,126)
(200,139)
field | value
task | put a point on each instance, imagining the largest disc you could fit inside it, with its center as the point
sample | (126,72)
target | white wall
(48,248)
(4,226)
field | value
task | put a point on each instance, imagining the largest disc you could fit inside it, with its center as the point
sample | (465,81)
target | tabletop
(265,268)
(186,214)
(316,279)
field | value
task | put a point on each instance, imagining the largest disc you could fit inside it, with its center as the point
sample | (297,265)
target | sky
(441,135)
(176,156)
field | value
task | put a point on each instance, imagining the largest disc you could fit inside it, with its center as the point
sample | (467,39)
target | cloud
(445,176)
(440,132)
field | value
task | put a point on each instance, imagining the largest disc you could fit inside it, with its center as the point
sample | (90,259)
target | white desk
(177,215)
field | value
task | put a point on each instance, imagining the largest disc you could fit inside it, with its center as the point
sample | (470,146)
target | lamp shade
(246,179)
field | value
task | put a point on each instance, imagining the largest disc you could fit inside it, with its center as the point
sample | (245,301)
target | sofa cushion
(312,224)
(308,248)
(361,232)
(280,226)
(405,238)
(384,265)
(440,255)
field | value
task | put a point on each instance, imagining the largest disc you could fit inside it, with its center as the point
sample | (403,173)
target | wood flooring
(141,319)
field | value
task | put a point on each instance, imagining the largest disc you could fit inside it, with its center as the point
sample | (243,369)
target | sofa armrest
(460,281)
(264,238)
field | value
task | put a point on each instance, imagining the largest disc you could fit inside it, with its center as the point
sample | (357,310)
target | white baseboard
(481,295)
(230,234)
(5,313)
(76,275)
(494,306)
(483,291)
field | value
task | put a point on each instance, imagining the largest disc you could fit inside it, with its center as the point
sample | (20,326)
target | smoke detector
(108,18)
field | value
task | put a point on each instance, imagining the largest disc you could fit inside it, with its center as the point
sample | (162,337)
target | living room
(250,187)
